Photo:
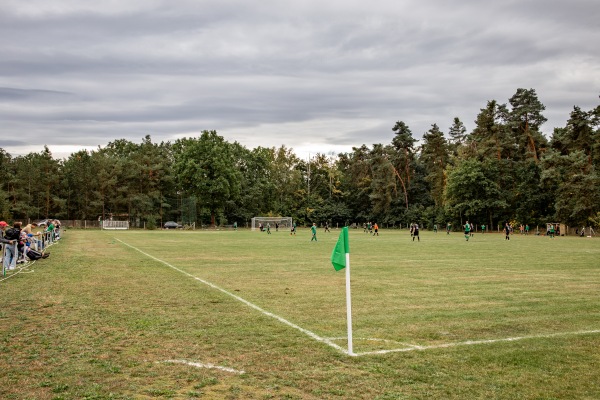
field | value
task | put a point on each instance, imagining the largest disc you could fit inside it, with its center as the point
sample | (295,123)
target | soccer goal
(282,222)
(115,224)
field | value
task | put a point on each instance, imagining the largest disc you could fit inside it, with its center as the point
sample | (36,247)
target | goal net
(115,224)
(282,222)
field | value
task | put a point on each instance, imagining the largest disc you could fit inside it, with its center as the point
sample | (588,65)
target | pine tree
(525,120)
(490,138)
(458,133)
(434,155)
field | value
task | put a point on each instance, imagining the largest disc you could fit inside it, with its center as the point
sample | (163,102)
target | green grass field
(246,315)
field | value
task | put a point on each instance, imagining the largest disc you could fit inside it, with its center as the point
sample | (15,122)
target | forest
(504,170)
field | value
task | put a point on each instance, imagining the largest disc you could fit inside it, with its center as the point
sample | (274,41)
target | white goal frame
(284,222)
(115,224)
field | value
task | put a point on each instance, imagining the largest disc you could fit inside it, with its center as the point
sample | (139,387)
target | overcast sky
(316,76)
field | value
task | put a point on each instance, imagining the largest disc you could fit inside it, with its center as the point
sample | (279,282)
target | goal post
(115,224)
(282,222)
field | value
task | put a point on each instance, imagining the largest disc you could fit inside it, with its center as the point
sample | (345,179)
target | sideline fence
(95,224)
(38,241)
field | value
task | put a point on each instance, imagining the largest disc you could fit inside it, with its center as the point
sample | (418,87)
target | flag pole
(340,258)
(349,305)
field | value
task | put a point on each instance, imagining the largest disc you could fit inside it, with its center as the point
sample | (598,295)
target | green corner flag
(342,247)
(340,258)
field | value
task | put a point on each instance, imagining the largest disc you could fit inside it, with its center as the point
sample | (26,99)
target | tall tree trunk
(531,141)
(407,165)
(499,154)
(403,185)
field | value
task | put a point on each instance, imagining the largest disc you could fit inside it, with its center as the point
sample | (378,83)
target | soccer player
(467,230)
(313,229)
(327,227)
(506,232)
(552,231)
(293,230)
(527,229)
(268,228)
(376,229)
(435,228)
(448,226)
(483,228)
(415,232)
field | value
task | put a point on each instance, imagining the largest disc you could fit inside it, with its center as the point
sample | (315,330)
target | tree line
(504,170)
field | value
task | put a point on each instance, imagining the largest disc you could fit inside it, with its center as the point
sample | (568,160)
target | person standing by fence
(12,253)
(7,243)
(56,229)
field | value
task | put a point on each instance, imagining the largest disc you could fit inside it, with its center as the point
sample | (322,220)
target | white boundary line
(329,341)
(475,342)
(205,365)
(23,269)
(246,302)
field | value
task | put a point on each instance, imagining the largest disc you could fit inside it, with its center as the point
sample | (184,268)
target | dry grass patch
(99,320)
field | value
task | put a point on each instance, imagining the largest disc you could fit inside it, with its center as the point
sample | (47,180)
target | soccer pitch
(264,316)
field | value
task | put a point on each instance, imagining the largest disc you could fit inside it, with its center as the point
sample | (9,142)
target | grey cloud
(87,74)
(4,143)
(378,134)
(13,94)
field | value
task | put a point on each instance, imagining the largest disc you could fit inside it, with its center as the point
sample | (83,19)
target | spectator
(57,229)
(29,229)
(4,240)
(12,252)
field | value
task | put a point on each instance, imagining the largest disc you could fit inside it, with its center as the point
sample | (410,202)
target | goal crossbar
(115,224)
(282,222)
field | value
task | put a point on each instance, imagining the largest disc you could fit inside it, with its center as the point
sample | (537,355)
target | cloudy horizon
(313,76)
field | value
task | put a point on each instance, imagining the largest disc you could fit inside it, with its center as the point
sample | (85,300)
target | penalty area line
(310,334)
